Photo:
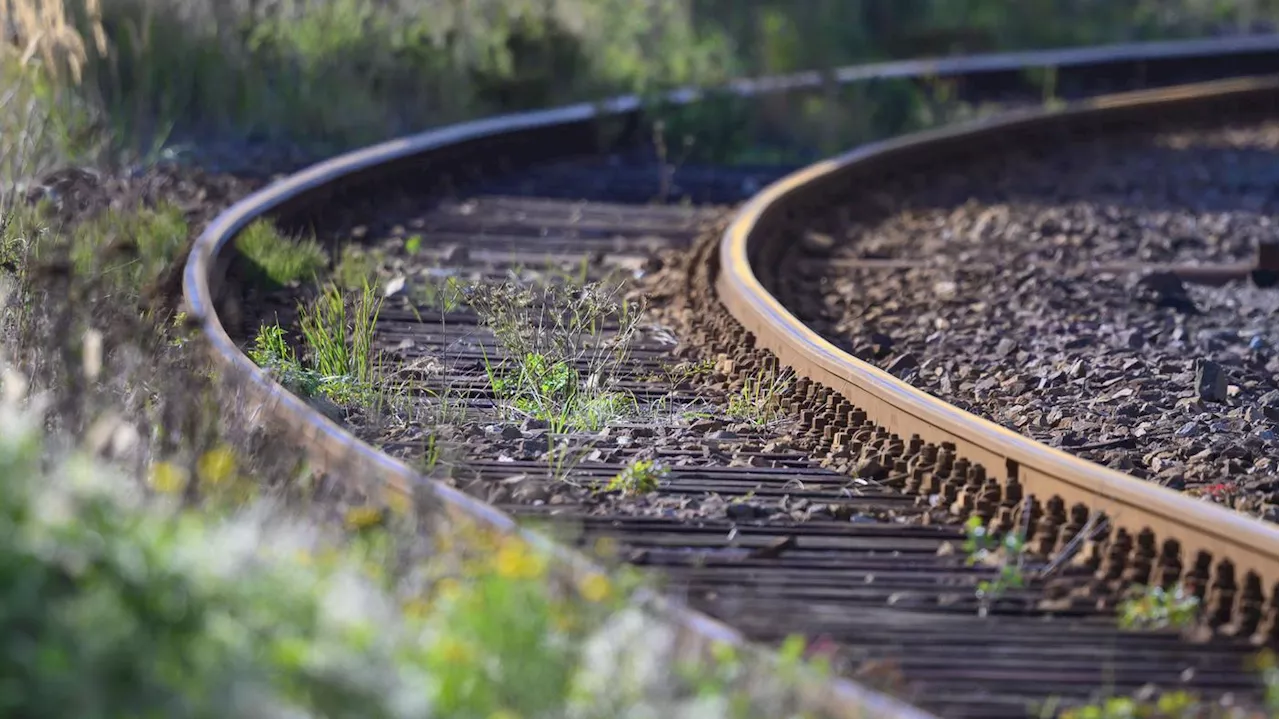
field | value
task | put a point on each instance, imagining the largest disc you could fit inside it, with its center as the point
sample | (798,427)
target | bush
(115,602)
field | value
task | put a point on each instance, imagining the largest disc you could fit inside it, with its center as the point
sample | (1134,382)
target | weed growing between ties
(642,476)
(758,401)
(1005,555)
(563,350)
(1159,608)
(338,360)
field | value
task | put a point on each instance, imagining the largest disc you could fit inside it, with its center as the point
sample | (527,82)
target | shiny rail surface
(1244,553)
(441,158)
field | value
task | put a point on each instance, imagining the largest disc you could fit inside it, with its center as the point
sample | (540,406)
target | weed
(341,346)
(283,261)
(559,366)
(640,477)
(413,245)
(1265,664)
(1160,608)
(1006,554)
(271,351)
(340,360)
(1167,705)
(759,399)
(443,293)
(123,251)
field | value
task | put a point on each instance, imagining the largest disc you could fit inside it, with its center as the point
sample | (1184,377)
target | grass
(642,476)
(758,401)
(1159,608)
(558,365)
(1005,554)
(356,267)
(267,614)
(281,260)
(339,360)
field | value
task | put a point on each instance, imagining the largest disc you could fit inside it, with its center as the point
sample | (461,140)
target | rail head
(1252,546)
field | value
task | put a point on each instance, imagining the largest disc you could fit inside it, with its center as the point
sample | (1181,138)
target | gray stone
(1211,381)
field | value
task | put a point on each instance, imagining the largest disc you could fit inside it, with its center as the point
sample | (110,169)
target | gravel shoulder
(1005,314)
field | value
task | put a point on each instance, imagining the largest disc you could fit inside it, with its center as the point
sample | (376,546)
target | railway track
(829,498)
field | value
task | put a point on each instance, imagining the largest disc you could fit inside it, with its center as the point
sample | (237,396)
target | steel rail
(435,158)
(1243,549)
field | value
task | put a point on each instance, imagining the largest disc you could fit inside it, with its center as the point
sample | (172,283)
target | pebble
(1211,383)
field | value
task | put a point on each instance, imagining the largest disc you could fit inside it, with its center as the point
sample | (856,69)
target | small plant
(342,346)
(413,245)
(282,260)
(1169,705)
(982,548)
(1160,608)
(271,351)
(444,294)
(559,366)
(1265,664)
(640,477)
(340,360)
(759,400)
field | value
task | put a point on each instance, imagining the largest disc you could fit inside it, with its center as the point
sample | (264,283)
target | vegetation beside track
(165,536)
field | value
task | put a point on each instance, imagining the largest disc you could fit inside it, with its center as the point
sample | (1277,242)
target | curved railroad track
(759,523)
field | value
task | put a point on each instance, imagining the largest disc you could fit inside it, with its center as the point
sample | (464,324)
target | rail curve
(1238,545)
(437,158)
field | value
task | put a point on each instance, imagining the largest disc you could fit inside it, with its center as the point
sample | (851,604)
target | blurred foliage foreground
(150,562)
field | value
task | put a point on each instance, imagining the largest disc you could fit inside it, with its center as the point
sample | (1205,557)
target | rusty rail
(1244,553)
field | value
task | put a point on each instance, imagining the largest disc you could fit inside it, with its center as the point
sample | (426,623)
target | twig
(1087,532)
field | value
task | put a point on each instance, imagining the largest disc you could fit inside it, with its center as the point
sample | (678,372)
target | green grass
(558,365)
(1159,608)
(356,267)
(120,606)
(282,261)
(338,359)
(642,476)
(758,401)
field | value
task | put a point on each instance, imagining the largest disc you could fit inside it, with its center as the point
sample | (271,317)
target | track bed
(749,524)
(1001,302)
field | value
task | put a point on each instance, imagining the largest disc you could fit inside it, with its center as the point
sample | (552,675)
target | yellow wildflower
(398,503)
(563,621)
(515,561)
(606,547)
(595,587)
(454,651)
(358,518)
(447,589)
(167,477)
(216,466)
(416,608)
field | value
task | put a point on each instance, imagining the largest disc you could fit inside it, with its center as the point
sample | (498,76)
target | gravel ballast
(1002,314)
